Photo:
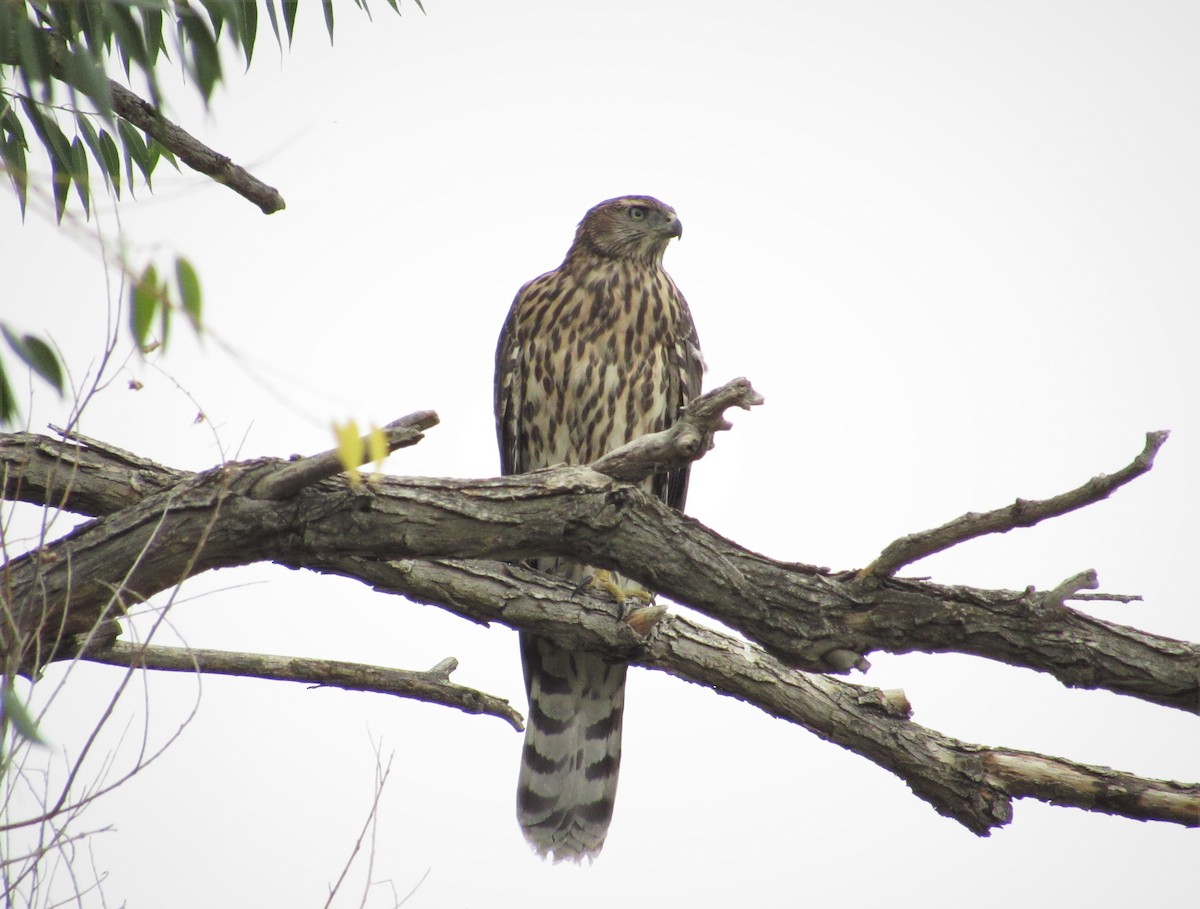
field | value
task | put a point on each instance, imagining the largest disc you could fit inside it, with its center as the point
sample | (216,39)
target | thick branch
(973,784)
(80,475)
(331,528)
(807,617)
(1022,513)
(432,685)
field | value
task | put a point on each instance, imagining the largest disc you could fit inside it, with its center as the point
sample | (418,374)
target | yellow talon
(643,617)
(602,579)
(605,580)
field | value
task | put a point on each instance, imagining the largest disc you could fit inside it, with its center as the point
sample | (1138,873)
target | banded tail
(572,753)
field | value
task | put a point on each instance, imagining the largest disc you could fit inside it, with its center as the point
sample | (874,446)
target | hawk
(593,354)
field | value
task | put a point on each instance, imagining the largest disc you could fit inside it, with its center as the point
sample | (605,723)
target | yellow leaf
(377,446)
(350,449)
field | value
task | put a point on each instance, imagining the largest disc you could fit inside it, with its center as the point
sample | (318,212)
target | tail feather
(572,753)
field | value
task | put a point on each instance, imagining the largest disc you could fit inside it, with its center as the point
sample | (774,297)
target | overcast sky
(954,244)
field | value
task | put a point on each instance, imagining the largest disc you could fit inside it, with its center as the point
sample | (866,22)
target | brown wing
(511,365)
(687,374)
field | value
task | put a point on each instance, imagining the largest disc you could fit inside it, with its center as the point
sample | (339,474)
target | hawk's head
(631,227)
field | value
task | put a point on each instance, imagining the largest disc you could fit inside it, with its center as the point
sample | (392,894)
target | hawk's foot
(604,580)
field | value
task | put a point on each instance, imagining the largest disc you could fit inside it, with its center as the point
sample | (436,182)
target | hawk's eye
(637,212)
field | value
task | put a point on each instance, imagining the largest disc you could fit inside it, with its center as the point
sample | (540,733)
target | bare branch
(83,476)
(797,612)
(972,784)
(689,438)
(432,685)
(1022,513)
(1084,580)
(192,152)
(1061,782)
(295,475)
(809,618)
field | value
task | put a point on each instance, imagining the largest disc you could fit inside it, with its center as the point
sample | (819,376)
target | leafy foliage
(47,46)
(52,47)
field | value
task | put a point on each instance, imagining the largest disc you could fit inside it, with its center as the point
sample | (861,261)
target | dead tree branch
(809,618)
(973,784)
(689,438)
(1022,513)
(409,535)
(287,481)
(432,685)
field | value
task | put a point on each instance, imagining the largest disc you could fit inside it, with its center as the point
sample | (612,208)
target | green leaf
(47,128)
(79,172)
(289,16)
(112,161)
(327,6)
(248,28)
(83,123)
(274,17)
(135,152)
(12,151)
(189,291)
(204,59)
(37,355)
(164,320)
(152,29)
(61,182)
(33,55)
(14,711)
(161,151)
(217,11)
(8,402)
(143,301)
(85,73)
(58,148)
(131,45)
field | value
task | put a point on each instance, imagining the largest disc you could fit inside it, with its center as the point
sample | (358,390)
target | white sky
(952,243)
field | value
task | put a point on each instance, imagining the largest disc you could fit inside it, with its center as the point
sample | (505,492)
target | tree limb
(809,618)
(139,112)
(687,439)
(432,685)
(973,784)
(192,152)
(290,479)
(329,527)
(1022,513)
